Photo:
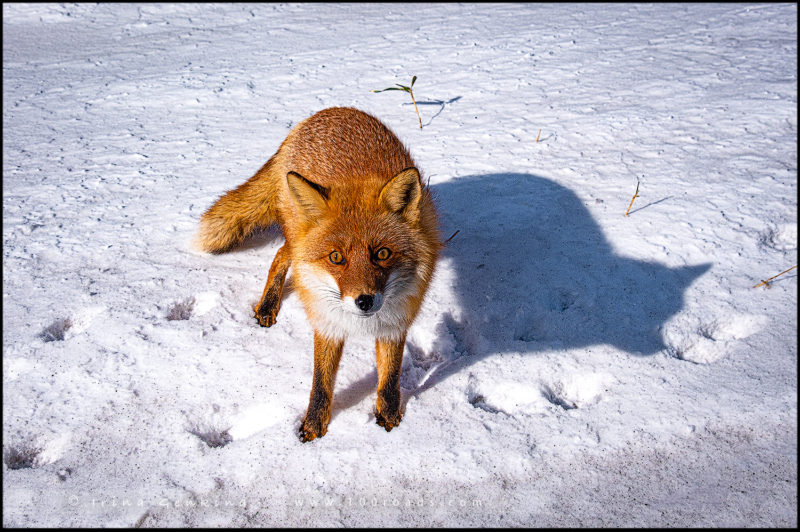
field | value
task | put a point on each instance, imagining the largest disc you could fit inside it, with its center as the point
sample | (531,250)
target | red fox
(361,237)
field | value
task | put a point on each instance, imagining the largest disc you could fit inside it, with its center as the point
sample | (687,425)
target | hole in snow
(182,310)
(21,457)
(56,331)
(556,399)
(213,437)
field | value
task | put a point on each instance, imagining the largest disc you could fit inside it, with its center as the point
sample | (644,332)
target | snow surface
(571,365)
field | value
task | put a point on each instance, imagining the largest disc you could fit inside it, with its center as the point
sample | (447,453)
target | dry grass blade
(635,195)
(766,282)
(407,89)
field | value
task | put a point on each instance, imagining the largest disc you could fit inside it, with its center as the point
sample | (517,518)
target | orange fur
(361,238)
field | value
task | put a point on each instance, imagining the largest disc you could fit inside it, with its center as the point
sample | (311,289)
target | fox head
(366,253)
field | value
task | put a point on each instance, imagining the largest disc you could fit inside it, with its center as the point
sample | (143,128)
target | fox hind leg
(266,311)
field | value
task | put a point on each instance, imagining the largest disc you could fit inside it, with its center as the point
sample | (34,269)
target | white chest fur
(337,317)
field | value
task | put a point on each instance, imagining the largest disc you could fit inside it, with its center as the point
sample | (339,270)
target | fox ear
(310,197)
(402,194)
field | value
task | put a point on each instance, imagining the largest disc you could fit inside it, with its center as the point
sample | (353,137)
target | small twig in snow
(766,283)
(635,195)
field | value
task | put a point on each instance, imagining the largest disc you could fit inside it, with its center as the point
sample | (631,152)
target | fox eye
(383,254)
(336,257)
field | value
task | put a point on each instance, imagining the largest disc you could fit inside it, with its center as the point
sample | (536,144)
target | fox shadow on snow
(532,272)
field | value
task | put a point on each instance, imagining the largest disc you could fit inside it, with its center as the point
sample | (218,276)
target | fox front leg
(389,356)
(327,354)
(267,308)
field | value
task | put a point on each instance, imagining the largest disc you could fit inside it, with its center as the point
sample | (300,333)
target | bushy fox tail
(239,212)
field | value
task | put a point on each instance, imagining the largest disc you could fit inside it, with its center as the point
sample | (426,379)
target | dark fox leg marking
(266,311)
(389,356)
(327,354)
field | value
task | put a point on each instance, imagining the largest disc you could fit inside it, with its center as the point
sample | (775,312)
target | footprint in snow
(65,328)
(210,428)
(710,341)
(56,331)
(221,426)
(212,436)
(507,397)
(575,390)
(781,237)
(196,305)
(181,310)
(30,452)
(212,431)
(22,456)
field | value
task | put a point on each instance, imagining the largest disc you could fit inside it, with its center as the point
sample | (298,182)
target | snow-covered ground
(571,365)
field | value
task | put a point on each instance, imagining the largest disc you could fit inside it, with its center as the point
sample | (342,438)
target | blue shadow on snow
(533,272)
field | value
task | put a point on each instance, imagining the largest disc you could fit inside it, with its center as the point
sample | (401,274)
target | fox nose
(365,302)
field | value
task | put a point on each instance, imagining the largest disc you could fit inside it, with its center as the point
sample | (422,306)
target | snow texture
(571,366)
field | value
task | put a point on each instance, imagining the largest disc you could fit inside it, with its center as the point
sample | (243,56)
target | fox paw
(388,421)
(266,318)
(310,430)
(266,312)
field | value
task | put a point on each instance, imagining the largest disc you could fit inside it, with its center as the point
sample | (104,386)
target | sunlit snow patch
(255,419)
